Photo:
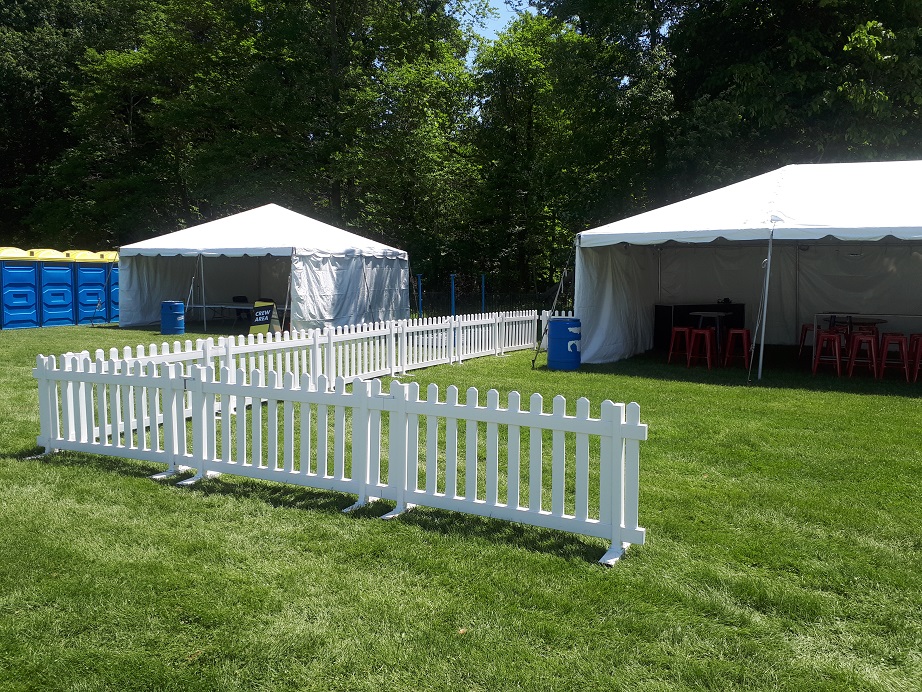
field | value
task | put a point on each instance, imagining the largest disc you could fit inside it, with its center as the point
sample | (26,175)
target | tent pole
(201,266)
(768,273)
(288,304)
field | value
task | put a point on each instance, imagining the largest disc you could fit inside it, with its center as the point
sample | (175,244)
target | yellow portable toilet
(83,256)
(47,254)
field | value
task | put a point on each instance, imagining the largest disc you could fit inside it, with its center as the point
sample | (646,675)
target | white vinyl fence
(366,351)
(559,470)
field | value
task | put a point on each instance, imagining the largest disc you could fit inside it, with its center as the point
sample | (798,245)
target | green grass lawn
(784,552)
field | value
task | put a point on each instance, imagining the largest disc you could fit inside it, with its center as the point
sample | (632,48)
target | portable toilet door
(56,282)
(90,286)
(113,290)
(19,283)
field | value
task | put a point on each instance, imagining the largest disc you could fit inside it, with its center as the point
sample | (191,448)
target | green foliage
(124,119)
(759,85)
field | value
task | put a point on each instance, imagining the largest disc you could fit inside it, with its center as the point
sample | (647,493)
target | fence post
(457,340)
(173,419)
(403,341)
(316,357)
(620,477)
(633,431)
(47,403)
(330,369)
(361,425)
(196,385)
(392,353)
(499,342)
(398,461)
(230,372)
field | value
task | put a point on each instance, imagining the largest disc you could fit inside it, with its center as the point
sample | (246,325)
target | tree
(41,44)
(761,85)
(565,139)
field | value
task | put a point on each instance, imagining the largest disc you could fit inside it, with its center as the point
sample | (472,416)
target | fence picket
(492,437)
(432,441)
(535,455)
(581,463)
(471,441)
(513,454)
(451,443)
(559,459)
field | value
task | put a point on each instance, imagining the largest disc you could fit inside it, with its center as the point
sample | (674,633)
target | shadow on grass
(782,369)
(559,543)
(531,538)
(130,468)
(534,539)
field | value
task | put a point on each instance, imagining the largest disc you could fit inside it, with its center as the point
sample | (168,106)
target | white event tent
(813,238)
(327,276)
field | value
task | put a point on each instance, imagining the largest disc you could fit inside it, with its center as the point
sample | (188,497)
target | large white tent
(327,276)
(830,237)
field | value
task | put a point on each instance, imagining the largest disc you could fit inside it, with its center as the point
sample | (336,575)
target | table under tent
(320,275)
(791,244)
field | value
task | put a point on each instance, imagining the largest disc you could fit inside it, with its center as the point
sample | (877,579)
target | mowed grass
(784,552)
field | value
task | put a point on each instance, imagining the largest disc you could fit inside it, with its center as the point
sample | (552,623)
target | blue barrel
(563,343)
(172,317)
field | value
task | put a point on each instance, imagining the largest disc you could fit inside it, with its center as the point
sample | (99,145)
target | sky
(497,24)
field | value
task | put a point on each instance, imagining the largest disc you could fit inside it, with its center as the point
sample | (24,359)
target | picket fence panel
(366,350)
(442,452)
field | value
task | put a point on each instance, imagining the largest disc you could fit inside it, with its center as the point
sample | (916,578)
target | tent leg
(768,273)
(201,264)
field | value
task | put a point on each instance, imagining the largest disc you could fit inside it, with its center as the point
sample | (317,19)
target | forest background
(124,119)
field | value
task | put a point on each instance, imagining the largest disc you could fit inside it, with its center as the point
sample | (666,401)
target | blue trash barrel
(172,317)
(563,343)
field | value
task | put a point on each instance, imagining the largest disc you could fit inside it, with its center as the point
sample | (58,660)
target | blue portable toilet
(91,291)
(19,283)
(56,286)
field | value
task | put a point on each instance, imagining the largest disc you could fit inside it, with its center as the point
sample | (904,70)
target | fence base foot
(41,454)
(359,504)
(197,477)
(613,555)
(398,510)
(169,473)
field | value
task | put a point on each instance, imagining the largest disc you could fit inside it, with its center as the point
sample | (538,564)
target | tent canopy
(848,201)
(269,230)
(844,240)
(328,276)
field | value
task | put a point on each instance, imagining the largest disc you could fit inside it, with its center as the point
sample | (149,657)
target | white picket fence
(366,350)
(284,422)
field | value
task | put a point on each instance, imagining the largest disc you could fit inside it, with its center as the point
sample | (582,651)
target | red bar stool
(833,341)
(901,341)
(855,343)
(706,338)
(915,355)
(805,329)
(746,342)
(682,334)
